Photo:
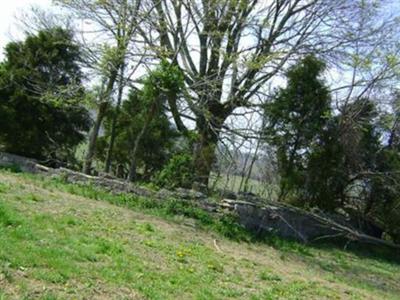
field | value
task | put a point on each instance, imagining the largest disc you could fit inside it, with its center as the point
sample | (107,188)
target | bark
(176,115)
(246,182)
(204,151)
(103,106)
(242,173)
(204,157)
(93,138)
(114,122)
(259,141)
(132,170)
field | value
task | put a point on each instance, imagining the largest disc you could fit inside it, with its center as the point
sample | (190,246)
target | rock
(249,197)
(284,221)
(165,194)
(15,161)
(201,187)
(252,212)
(190,194)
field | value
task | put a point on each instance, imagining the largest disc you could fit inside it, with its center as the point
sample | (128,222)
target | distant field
(233,184)
(60,241)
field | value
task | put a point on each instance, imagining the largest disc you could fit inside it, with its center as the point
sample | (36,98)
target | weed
(8,217)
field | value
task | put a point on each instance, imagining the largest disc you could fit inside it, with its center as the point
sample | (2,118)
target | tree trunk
(132,170)
(87,166)
(208,135)
(110,149)
(242,173)
(204,153)
(246,182)
(103,106)
(203,160)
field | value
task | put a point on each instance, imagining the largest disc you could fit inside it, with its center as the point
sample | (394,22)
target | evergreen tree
(296,117)
(160,86)
(383,202)
(155,146)
(41,96)
(342,158)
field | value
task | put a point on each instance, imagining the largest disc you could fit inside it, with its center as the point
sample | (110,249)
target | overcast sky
(9,9)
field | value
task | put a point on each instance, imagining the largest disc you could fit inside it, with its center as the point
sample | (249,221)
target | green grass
(62,241)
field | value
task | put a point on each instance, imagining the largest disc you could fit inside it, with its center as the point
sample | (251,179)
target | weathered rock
(252,212)
(250,197)
(190,194)
(10,160)
(201,187)
(165,194)
(284,221)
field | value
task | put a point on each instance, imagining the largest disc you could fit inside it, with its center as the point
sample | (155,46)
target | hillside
(57,244)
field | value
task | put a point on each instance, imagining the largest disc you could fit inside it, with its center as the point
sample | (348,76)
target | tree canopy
(42,95)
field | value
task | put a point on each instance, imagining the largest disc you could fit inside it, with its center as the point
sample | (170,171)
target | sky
(8,12)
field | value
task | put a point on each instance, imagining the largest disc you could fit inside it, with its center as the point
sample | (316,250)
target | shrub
(178,172)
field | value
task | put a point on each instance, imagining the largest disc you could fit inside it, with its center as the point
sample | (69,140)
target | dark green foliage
(296,118)
(326,178)
(178,172)
(144,134)
(165,81)
(339,162)
(333,162)
(328,161)
(383,202)
(155,146)
(12,168)
(41,112)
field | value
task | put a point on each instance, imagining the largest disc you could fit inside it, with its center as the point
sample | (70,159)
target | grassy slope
(55,244)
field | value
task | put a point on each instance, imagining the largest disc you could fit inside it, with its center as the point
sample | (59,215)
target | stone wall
(24,164)
(276,218)
(285,221)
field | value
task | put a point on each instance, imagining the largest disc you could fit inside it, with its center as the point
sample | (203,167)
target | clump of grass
(3,188)
(8,217)
(266,275)
(5,273)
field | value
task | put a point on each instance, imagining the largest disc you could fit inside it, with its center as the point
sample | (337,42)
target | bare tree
(108,32)
(230,49)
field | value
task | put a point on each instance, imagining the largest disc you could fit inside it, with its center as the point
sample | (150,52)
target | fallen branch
(216,246)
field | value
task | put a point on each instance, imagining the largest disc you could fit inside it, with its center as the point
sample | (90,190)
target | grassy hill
(60,241)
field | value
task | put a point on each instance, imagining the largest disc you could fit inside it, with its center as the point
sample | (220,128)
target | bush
(178,172)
